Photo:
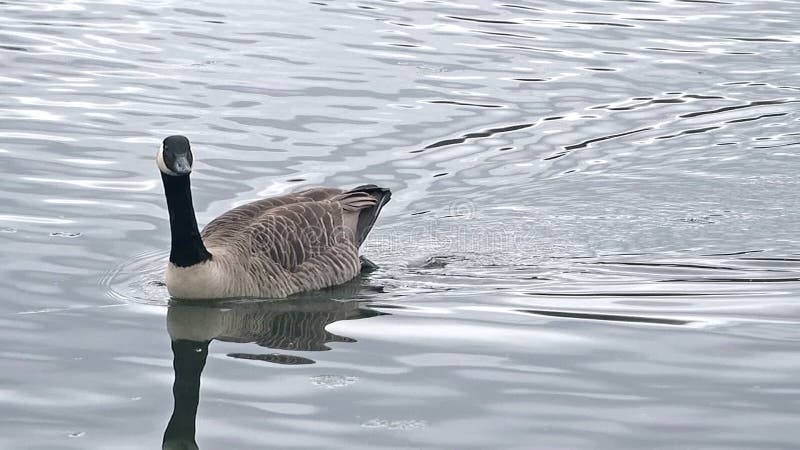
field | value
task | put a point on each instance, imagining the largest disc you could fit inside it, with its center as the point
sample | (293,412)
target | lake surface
(593,242)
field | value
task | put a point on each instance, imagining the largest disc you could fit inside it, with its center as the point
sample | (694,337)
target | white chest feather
(199,281)
(224,277)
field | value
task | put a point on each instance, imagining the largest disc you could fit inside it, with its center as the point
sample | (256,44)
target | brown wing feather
(293,229)
(238,219)
(297,242)
(292,234)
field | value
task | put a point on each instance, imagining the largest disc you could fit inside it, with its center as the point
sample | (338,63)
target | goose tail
(368,215)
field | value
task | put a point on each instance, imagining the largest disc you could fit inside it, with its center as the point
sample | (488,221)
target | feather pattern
(282,245)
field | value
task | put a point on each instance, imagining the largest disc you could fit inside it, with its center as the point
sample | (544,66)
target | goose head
(175,156)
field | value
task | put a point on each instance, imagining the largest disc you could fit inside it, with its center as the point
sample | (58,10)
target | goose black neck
(187,246)
(189,358)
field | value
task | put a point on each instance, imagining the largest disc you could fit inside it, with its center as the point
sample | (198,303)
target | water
(592,243)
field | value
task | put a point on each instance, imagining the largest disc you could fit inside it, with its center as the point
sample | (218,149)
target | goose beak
(182,166)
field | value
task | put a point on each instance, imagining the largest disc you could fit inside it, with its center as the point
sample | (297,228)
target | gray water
(592,243)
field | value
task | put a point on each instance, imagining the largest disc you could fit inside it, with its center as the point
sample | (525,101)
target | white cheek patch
(162,166)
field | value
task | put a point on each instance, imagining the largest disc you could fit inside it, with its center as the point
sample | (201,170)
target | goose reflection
(294,324)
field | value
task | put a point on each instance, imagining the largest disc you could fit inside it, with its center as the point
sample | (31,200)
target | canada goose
(270,248)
